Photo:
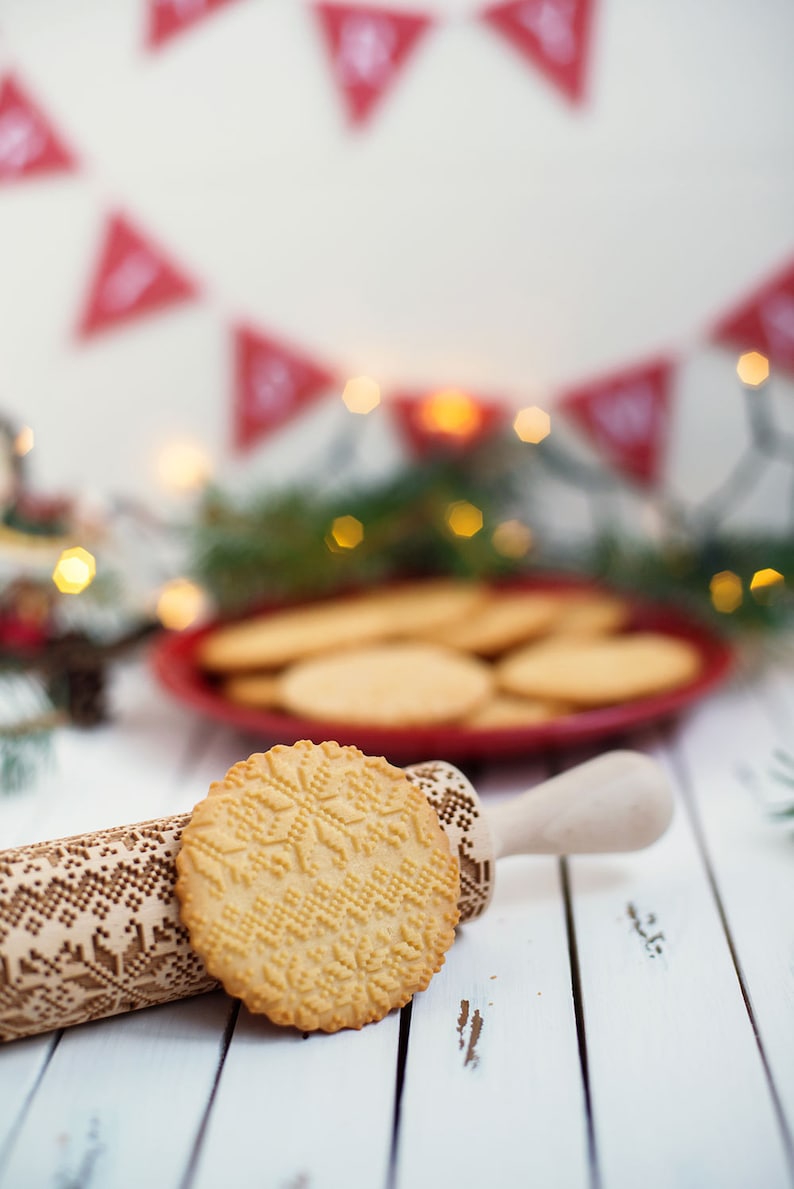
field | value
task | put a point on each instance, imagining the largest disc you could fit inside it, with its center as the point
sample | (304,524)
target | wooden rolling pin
(89,925)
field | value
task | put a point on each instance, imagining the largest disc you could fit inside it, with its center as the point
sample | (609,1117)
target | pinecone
(78,679)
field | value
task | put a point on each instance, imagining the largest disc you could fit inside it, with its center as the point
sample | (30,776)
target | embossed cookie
(267,641)
(598,672)
(507,619)
(398,684)
(317,884)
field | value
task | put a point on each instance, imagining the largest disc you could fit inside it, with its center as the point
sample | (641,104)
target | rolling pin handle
(619,801)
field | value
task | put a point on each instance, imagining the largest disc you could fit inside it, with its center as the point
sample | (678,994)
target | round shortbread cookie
(509,710)
(590,613)
(598,672)
(506,619)
(396,685)
(267,641)
(421,606)
(317,884)
(259,690)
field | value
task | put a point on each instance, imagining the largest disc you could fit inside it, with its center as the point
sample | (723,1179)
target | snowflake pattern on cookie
(318,886)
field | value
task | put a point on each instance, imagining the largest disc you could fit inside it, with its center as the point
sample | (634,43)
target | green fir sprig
(280,545)
(277,546)
(27,722)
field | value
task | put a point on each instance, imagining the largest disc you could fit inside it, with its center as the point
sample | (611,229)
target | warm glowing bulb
(464,518)
(180,603)
(74,570)
(725,589)
(346,532)
(23,442)
(450,411)
(753,369)
(183,466)
(532,424)
(511,538)
(361,394)
(764,583)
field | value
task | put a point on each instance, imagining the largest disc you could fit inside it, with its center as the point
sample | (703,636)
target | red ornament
(273,383)
(447,419)
(765,321)
(553,34)
(26,616)
(368,48)
(169,18)
(627,417)
(29,144)
(132,277)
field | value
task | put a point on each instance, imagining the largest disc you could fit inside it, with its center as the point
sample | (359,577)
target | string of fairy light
(455,416)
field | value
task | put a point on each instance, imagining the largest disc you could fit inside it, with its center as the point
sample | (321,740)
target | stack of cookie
(443,651)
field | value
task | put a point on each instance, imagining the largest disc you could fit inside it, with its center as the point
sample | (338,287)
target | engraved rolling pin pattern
(90,925)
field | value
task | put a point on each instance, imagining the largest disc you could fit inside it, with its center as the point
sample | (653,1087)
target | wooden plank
(153,759)
(493,1092)
(729,758)
(22,1066)
(328,1086)
(82,1121)
(121,771)
(93,776)
(296,1112)
(679,1093)
(122,1100)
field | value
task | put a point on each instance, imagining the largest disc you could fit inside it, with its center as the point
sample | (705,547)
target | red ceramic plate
(173,658)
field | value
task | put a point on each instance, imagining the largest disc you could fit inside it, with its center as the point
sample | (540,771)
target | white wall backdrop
(478,231)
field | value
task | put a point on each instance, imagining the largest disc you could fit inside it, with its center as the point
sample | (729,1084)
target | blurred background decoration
(297,295)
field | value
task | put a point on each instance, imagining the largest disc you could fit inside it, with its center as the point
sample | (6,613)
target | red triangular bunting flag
(273,383)
(168,18)
(28,143)
(368,47)
(553,34)
(131,278)
(765,322)
(446,419)
(627,417)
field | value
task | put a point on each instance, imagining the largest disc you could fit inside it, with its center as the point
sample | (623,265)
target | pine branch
(27,721)
(278,546)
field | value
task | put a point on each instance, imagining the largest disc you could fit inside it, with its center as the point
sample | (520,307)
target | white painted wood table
(615,1022)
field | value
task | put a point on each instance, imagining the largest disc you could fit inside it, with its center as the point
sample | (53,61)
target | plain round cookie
(506,619)
(599,672)
(510,710)
(401,684)
(316,883)
(274,639)
(590,613)
(425,604)
(258,690)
